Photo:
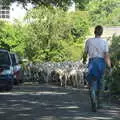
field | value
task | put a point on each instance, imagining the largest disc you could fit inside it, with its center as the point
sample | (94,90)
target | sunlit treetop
(58,3)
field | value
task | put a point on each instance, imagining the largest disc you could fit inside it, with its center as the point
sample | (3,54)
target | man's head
(98,30)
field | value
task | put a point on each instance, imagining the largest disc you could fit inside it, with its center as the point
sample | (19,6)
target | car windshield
(4,58)
(14,59)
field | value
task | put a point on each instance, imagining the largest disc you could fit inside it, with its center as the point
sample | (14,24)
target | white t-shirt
(96,47)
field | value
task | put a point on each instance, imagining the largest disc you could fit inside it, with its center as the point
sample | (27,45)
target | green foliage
(113,18)
(81,4)
(101,10)
(115,56)
(54,33)
(11,37)
(4,35)
(19,36)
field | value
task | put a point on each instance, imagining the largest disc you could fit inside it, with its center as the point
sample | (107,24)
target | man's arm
(106,55)
(84,57)
(107,59)
(85,52)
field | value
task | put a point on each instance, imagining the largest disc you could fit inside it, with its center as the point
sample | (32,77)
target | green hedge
(115,57)
(55,35)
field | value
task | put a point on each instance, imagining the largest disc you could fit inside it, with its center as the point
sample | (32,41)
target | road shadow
(48,102)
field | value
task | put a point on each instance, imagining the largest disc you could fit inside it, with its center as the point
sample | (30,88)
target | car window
(4,58)
(14,59)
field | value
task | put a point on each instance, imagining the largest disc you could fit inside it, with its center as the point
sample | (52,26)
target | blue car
(17,69)
(6,70)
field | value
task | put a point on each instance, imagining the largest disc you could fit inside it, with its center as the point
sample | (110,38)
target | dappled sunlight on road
(51,103)
(34,93)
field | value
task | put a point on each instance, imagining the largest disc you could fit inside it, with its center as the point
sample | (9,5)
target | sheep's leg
(61,81)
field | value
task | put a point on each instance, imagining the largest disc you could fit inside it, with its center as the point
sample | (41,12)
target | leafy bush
(115,56)
(113,18)
(12,37)
(101,10)
(54,35)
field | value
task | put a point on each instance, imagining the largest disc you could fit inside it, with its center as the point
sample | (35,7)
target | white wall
(17,11)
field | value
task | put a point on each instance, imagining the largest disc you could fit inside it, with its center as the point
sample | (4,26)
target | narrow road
(49,102)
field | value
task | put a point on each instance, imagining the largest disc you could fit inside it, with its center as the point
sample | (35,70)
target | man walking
(98,53)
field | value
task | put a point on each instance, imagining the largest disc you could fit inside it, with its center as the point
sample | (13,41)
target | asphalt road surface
(50,102)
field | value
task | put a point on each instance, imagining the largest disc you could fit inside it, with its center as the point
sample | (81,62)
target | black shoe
(94,107)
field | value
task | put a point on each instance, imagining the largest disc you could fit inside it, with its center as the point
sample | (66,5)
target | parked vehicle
(6,70)
(17,69)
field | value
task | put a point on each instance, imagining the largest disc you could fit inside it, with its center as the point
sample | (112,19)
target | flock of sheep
(63,73)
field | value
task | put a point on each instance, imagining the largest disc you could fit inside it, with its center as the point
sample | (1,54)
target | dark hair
(98,30)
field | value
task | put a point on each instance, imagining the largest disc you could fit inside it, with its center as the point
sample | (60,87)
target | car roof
(3,50)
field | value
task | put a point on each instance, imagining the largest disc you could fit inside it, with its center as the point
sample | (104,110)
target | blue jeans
(96,68)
